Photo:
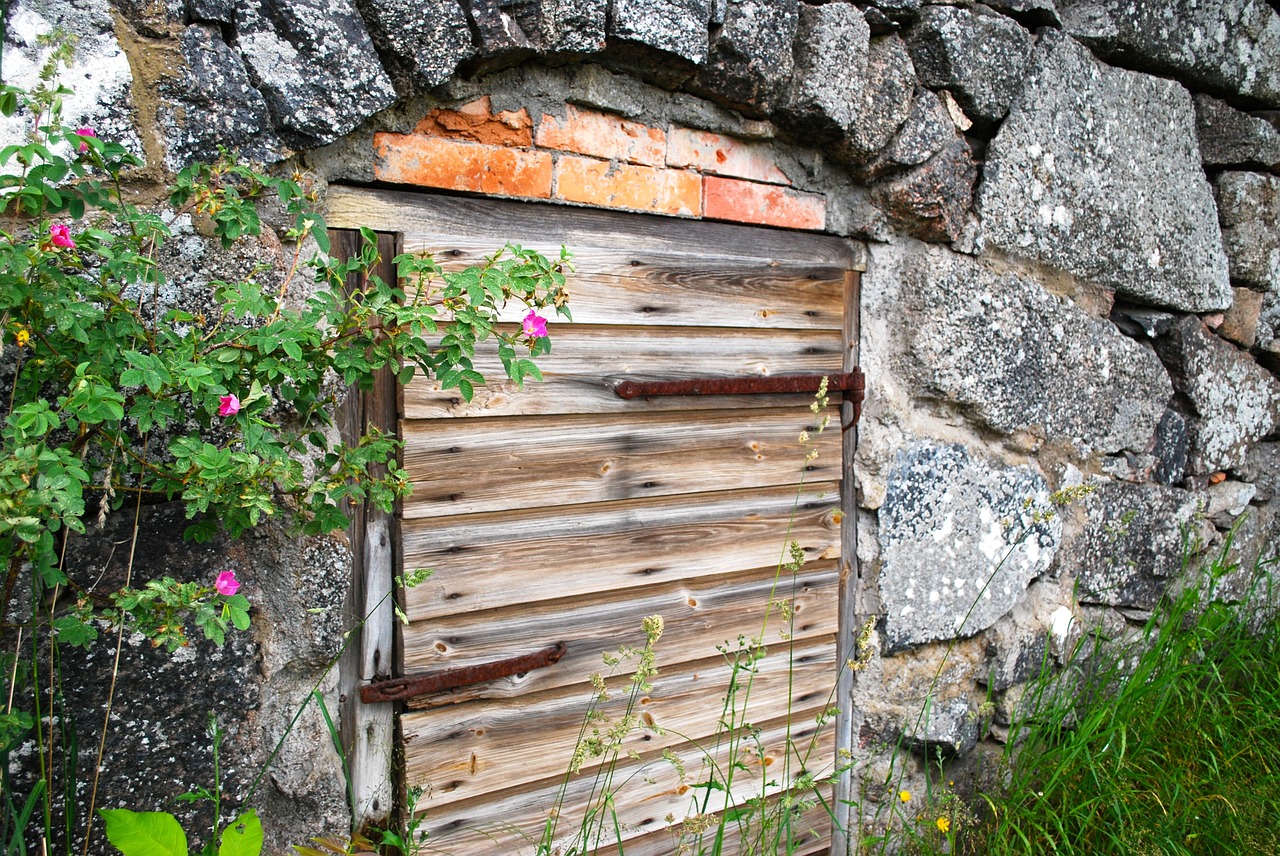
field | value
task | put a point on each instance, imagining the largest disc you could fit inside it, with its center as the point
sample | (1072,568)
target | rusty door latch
(411,686)
(851,383)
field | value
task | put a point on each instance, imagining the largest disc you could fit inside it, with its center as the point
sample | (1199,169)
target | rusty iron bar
(852,384)
(399,689)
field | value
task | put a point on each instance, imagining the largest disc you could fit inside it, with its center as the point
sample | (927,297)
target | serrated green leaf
(144,833)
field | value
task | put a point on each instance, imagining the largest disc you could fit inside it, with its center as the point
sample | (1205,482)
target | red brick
(637,188)
(458,165)
(763,204)
(603,135)
(476,122)
(718,155)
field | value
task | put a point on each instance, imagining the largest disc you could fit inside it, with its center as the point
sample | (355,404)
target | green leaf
(144,833)
(243,837)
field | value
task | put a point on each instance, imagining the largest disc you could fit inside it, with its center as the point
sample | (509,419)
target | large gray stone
(99,75)
(886,100)
(1032,14)
(1223,45)
(927,130)
(959,543)
(750,63)
(931,202)
(1017,357)
(981,59)
(212,104)
(947,727)
(830,67)
(1229,137)
(315,66)
(427,38)
(1236,401)
(1131,543)
(1249,210)
(678,27)
(1097,171)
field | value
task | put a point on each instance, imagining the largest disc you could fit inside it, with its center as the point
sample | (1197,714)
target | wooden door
(563,515)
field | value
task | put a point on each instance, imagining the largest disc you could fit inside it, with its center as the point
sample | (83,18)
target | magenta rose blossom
(85,132)
(227,584)
(60,236)
(534,324)
(228,405)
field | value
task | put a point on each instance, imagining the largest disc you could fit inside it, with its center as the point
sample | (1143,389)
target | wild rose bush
(116,396)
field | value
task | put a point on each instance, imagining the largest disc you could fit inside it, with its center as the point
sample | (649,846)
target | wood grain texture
(648,791)
(464,760)
(698,617)
(581,459)
(640,287)
(483,561)
(586,362)
(499,221)
(806,833)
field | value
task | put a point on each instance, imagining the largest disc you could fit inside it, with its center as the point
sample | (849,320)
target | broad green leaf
(243,837)
(144,833)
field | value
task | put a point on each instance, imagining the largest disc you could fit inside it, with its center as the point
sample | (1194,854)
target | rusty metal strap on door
(852,384)
(399,689)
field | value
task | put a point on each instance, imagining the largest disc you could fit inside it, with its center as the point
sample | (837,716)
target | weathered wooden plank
(576,459)
(698,616)
(807,834)
(586,362)
(500,221)
(636,286)
(686,703)
(483,561)
(647,791)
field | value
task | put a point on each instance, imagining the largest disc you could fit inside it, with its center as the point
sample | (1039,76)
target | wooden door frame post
(369,730)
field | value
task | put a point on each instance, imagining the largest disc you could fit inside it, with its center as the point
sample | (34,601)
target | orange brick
(458,165)
(718,155)
(763,204)
(603,135)
(477,122)
(638,188)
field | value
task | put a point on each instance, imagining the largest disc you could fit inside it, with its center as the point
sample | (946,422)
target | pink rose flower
(85,132)
(60,236)
(534,324)
(228,405)
(227,584)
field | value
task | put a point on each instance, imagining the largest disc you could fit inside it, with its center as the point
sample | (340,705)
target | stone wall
(1072,209)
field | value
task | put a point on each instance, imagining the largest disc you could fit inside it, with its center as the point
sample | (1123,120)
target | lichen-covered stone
(212,104)
(573,26)
(314,64)
(958,544)
(1261,467)
(1236,401)
(1130,544)
(926,131)
(428,38)
(1226,46)
(830,68)
(1229,137)
(931,201)
(1032,14)
(1097,171)
(1012,354)
(946,727)
(980,58)
(886,100)
(1171,448)
(1249,210)
(99,75)
(678,27)
(750,62)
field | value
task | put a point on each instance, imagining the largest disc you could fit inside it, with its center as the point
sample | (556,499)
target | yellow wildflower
(905,796)
(22,337)
(944,825)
